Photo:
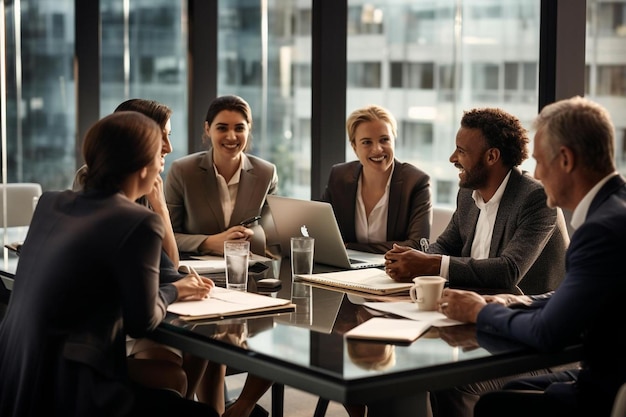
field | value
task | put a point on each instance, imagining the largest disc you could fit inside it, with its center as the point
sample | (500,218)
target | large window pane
(274,77)
(40,92)
(144,48)
(435,59)
(606,65)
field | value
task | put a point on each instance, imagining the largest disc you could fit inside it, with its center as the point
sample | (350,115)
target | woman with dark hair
(87,275)
(210,193)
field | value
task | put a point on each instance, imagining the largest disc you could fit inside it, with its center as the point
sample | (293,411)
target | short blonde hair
(369,114)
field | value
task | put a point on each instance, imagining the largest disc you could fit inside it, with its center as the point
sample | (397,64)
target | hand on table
(403,263)
(193,287)
(461,305)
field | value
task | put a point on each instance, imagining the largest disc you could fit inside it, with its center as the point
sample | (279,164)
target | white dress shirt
(484,226)
(228,191)
(372,229)
(580,212)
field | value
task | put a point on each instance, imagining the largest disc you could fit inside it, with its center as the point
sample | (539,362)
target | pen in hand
(249,221)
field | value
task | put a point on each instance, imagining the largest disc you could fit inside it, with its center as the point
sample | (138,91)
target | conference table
(307,349)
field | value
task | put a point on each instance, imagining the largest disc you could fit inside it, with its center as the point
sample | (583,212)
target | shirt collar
(581,210)
(497,196)
(237,175)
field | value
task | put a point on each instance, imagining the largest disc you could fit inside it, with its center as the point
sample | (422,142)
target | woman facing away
(209,194)
(152,364)
(87,276)
(377,200)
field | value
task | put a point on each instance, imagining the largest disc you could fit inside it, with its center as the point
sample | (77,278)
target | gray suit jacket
(194,203)
(410,207)
(527,247)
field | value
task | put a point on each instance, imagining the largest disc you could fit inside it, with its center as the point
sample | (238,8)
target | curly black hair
(501,130)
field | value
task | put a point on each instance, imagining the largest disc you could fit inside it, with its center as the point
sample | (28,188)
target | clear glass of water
(302,249)
(236,255)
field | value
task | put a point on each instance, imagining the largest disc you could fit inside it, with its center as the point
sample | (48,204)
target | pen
(249,221)
(424,244)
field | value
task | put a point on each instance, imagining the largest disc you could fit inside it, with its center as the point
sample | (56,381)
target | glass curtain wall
(428,61)
(262,45)
(40,108)
(425,60)
(605,58)
(144,44)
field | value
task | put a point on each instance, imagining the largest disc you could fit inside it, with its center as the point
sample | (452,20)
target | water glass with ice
(236,255)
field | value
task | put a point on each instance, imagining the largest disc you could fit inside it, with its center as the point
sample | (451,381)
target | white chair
(21,199)
(441,218)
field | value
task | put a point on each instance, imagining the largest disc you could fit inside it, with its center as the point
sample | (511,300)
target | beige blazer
(193,198)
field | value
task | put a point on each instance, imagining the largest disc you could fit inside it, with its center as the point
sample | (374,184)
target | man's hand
(461,305)
(403,263)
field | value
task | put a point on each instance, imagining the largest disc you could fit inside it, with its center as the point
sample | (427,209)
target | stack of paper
(224,303)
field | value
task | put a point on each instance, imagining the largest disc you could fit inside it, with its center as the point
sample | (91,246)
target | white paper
(211,264)
(409,310)
(223,302)
(384,329)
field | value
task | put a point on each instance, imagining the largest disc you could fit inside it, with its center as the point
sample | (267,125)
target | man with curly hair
(501,238)
(502,235)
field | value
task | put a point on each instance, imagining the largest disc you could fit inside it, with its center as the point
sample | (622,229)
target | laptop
(290,215)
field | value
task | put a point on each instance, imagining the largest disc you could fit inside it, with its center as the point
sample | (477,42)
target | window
(151,64)
(412,75)
(611,80)
(364,74)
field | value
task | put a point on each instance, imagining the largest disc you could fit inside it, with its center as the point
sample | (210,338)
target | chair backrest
(20,203)
(619,405)
(441,218)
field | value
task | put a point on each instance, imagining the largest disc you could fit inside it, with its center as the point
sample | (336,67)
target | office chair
(619,405)
(21,202)
(441,218)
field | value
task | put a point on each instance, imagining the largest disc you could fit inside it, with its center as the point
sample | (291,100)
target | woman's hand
(215,243)
(193,287)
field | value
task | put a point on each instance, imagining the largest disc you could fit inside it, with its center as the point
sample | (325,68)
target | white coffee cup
(426,291)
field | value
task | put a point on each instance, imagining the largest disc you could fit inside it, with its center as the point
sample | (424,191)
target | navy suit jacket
(527,246)
(588,305)
(410,208)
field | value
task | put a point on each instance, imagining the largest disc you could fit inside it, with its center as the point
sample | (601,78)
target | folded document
(224,303)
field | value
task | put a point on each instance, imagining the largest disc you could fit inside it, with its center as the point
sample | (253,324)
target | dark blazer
(588,303)
(527,247)
(88,274)
(410,206)
(194,202)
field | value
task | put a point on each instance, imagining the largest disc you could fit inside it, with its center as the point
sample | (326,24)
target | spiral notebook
(370,280)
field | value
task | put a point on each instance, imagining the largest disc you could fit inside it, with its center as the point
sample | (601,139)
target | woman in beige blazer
(210,193)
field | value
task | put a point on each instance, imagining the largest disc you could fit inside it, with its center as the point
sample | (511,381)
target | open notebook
(291,214)
(229,303)
(371,280)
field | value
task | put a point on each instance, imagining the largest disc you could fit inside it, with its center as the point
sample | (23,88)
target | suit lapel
(247,184)
(395,197)
(212,195)
(507,204)
(611,186)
